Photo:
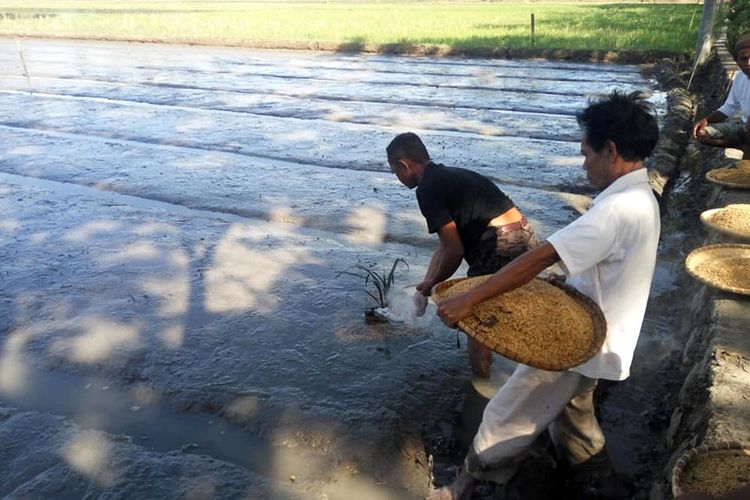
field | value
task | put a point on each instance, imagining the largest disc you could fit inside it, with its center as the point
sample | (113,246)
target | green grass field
(462,25)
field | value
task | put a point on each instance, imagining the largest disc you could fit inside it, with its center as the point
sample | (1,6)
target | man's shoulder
(457,174)
(740,81)
(455,179)
(634,206)
(432,180)
(439,169)
(437,173)
(632,198)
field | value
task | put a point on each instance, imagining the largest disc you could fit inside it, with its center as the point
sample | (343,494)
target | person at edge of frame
(721,128)
(609,255)
(473,218)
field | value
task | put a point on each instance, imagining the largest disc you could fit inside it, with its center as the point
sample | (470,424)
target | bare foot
(460,489)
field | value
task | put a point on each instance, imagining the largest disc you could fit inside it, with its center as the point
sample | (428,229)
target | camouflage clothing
(498,246)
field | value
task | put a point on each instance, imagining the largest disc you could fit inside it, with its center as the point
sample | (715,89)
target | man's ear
(611,150)
(406,163)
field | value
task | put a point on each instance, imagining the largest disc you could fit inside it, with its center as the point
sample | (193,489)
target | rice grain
(538,324)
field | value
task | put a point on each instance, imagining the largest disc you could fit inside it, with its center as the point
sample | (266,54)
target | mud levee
(410,49)
(712,404)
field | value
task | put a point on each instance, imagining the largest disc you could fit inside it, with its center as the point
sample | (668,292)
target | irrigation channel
(173,321)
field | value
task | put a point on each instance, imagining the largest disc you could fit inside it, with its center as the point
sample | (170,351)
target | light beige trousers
(529,402)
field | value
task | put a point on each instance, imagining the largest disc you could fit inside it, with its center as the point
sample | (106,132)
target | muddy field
(172,318)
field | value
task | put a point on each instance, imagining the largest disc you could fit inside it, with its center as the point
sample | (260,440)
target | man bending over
(473,218)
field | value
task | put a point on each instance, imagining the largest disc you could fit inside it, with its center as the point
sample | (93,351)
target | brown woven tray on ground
(732,220)
(725,266)
(735,176)
(712,469)
(542,324)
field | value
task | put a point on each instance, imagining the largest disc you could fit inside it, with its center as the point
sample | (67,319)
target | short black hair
(626,120)
(742,42)
(407,146)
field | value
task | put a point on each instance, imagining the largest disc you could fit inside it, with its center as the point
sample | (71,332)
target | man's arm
(699,129)
(730,107)
(519,272)
(445,260)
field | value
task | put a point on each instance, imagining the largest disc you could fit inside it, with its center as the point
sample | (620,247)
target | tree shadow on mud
(203,311)
(160,310)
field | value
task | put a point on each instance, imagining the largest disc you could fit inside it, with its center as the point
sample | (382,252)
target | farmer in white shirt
(721,127)
(609,254)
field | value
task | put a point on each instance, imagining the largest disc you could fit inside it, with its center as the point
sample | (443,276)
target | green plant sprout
(382,281)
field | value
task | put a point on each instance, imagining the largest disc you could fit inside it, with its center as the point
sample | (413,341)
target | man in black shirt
(474,220)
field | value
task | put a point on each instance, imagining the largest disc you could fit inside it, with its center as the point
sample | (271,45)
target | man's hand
(699,129)
(420,303)
(425,287)
(519,272)
(454,309)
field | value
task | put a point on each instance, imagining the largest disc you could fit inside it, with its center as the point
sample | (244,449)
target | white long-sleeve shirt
(609,254)
(738,98)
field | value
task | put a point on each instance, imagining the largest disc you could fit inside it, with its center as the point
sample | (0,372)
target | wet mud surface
(175,221)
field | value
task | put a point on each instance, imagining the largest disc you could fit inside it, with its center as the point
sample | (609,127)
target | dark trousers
(497,247)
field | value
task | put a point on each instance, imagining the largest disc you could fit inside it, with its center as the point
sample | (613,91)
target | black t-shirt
(455,194)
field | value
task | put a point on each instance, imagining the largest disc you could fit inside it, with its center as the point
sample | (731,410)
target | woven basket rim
(597,317)
(718,227)
(711,177)
(707,249)
(688,455)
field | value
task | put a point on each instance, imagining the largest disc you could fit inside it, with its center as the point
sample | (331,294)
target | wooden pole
(23,64)
(533,42)
(703,44)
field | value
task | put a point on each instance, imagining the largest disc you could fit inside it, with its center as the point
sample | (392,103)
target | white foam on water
(402,308)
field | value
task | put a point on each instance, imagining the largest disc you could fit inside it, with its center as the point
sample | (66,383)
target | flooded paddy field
(173,321)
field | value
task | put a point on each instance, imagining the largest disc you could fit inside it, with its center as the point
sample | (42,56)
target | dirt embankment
(710,405)
(408,49)
(637,436)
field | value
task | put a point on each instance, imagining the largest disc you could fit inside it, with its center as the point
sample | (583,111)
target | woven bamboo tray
(725,467)
(736,176)
(724,266)
(732,220)
(552,346)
